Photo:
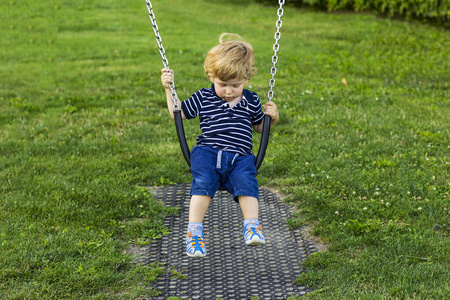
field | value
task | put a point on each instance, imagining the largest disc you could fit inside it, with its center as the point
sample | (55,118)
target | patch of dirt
(321,246)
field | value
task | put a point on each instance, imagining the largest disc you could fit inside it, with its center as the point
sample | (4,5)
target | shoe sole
(196,254)
(255,242)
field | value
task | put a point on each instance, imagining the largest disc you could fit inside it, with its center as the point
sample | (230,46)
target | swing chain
(276,47)
(165,62)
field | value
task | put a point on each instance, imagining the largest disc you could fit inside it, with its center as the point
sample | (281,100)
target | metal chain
(276,47)
(165,62)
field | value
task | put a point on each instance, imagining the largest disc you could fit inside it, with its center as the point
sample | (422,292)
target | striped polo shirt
(229,129)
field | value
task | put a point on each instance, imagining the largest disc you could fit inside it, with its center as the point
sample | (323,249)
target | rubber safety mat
(230,270)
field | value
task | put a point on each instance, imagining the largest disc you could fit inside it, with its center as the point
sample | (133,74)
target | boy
(223,155)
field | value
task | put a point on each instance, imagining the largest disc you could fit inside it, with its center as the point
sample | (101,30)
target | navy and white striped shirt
(229,129)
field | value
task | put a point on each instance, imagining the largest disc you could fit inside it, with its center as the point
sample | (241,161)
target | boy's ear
(211,78)
(246,81)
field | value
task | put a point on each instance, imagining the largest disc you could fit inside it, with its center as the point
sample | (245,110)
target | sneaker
(253,235)
(195,246)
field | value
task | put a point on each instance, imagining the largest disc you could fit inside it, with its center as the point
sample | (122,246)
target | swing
(177,111)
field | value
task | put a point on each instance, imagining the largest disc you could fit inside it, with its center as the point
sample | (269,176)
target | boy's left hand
(271,110)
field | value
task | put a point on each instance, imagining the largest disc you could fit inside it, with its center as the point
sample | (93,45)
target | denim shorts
(212,168)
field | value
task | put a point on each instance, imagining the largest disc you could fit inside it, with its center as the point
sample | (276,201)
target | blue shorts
(211,168)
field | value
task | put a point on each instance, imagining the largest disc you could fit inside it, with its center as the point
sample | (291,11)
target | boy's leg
(195,246)
(252,230)
(249,206)
(197,208)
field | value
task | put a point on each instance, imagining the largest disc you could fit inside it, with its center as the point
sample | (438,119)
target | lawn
(361,150)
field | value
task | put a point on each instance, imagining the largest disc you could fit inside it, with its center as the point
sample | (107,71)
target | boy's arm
(166,79)
(271,110)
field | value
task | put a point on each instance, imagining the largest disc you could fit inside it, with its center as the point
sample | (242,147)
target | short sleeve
(191,107)
(255,105)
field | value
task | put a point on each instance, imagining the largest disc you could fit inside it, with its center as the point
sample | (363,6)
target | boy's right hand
(166,78)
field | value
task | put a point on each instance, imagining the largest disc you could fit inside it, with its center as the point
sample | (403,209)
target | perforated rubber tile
(230,270)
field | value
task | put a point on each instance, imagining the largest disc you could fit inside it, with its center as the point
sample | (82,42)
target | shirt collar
(243,102)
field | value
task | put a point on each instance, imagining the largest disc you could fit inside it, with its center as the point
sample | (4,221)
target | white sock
(251,221)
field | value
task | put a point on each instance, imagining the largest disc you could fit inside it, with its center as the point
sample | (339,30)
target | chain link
(165,62)
(276,47)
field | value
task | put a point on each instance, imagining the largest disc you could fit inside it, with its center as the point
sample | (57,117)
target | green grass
(84,128)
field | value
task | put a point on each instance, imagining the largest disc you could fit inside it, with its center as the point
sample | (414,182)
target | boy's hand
(166,78)
(271,110)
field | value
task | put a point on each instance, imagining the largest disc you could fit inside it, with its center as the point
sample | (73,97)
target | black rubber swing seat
(185,148)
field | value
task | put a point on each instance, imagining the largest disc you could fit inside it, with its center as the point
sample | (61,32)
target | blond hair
(232,58)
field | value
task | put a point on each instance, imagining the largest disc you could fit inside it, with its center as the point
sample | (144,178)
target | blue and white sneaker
(253,235)
(195,246)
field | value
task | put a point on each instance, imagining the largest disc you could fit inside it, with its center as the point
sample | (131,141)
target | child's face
(229,90)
